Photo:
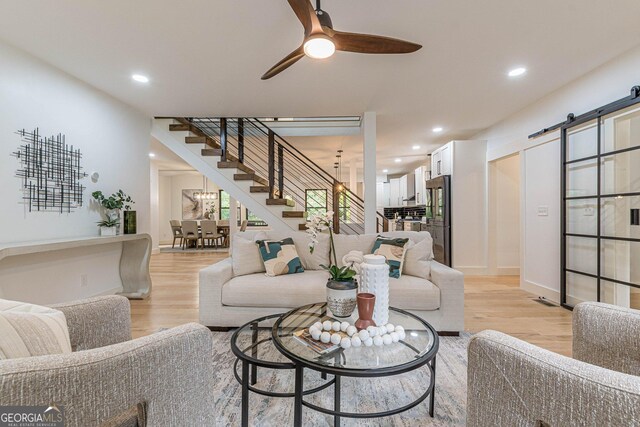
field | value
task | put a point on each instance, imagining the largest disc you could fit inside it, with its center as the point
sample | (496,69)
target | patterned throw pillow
(280,257)
(393,250)
(31,330)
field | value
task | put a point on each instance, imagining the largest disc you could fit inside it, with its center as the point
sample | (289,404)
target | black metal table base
(248,358)
(249,376)
(299,401)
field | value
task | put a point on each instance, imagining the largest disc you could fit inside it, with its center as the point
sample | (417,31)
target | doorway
(504,216)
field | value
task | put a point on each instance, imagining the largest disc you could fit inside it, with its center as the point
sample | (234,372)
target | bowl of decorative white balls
(330,332)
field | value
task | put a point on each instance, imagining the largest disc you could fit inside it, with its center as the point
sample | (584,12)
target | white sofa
(229,297)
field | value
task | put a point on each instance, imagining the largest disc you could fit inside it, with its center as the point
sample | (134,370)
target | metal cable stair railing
(285,171)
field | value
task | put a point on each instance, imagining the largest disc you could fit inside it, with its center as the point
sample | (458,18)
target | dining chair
(223,227)
(190,232)
(176,230)
(209,230)
(243,226)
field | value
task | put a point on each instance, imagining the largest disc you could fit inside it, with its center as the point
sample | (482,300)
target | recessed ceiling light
(517,72)
(437,129)
(140,78)
(385,170)
(152,155)
(416,147)
(398,160)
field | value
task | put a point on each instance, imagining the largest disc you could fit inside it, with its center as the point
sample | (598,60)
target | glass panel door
(601,212)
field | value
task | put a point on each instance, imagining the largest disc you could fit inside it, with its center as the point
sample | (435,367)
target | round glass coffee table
(418,349)
(252,344)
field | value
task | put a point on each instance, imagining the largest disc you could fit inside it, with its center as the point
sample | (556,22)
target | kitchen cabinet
(441,161)
(394,192)
(421,177)
(382,194)
(407,188)
(400,189)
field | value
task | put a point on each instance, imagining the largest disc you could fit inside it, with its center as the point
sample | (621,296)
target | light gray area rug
(366,395)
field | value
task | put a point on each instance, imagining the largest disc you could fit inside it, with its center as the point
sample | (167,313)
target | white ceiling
(205,57)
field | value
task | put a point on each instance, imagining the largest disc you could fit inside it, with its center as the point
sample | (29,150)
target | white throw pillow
(415,236)
(245,256)
(417,259)
(31,330)
(346,243)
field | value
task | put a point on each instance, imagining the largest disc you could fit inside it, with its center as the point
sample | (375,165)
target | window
(254,220)
(344,207)
(315,202)
(224,204)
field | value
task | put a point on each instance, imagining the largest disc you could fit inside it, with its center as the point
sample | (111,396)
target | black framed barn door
(600,226)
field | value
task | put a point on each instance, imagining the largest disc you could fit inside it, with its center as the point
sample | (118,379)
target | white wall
(113,139)
(540,272)
(504,216)
(469,206)
(154,206)
(164,209)
(541,166)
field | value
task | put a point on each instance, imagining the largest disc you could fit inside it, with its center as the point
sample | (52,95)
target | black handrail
(251,147)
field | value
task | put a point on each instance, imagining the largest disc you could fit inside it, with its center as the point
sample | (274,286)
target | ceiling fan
(321,40)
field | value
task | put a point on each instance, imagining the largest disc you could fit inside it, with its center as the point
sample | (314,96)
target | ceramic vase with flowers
(342,287)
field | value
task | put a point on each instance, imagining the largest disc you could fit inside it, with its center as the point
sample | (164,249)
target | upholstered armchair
(513,383)
(169,372)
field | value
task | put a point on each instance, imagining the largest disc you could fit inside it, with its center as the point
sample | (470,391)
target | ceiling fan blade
(366,43)
(307,16)
(285,63)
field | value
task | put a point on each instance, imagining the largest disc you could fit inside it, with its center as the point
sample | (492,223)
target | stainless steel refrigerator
(438,213)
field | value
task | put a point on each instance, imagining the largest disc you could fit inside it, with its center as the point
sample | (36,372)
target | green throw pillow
(279,257)
(393,250)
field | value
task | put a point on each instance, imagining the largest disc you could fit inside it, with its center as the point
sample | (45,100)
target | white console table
(134,260)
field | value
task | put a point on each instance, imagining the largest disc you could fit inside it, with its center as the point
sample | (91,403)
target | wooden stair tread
(281,202)
(201,140)
(250,177)
(179,127)
(302,227)
(208,152)
(259,189)
(230,164)
(293,214)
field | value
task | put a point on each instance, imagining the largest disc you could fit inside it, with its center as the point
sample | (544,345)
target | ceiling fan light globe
(319,47)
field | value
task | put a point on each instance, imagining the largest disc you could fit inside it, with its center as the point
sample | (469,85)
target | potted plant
(108,227)
(113,205)
(342,287)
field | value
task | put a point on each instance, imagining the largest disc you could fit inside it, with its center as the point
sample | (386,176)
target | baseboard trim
(112,291)
(508,271)
(540,290)
(472,271)
(155,251)
(219,328)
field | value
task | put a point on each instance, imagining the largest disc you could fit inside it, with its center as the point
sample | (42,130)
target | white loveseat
(236,290)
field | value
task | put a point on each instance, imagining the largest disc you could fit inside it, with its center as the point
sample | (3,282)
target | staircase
(263,171)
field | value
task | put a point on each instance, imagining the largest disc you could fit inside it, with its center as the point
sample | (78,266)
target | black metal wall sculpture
(50,172)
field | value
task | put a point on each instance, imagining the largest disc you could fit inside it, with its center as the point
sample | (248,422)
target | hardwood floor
(497,302)
(491,302)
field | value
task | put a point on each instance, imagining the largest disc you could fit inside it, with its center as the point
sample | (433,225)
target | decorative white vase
(374,279)
(107,231)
